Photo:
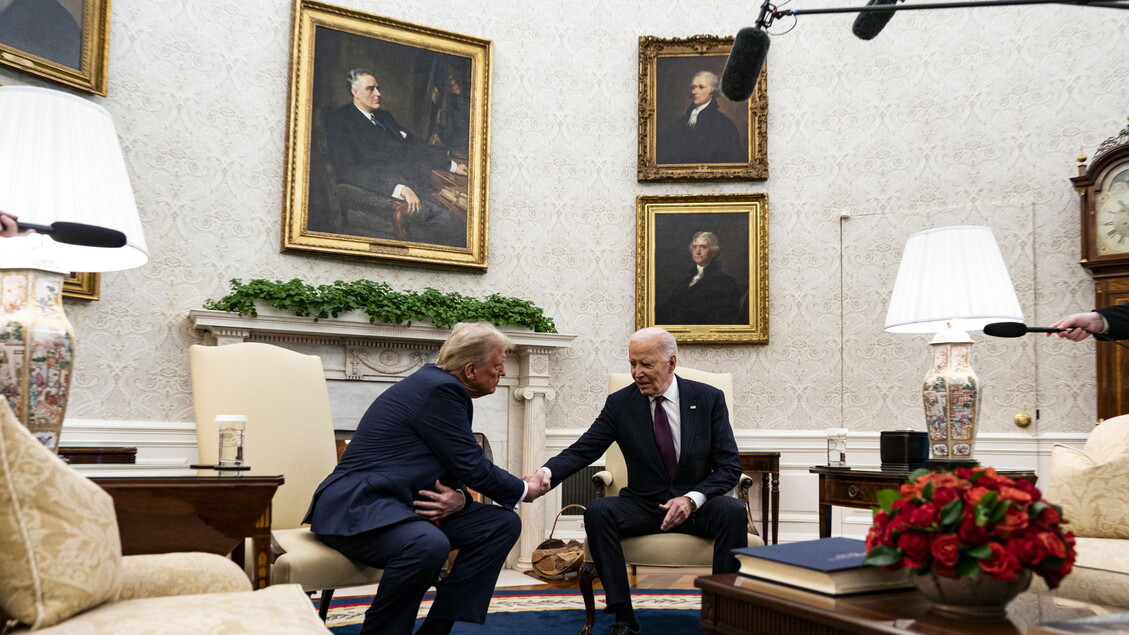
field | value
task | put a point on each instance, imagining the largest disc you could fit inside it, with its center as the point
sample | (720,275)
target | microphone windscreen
(746,58)
(87,235)
(870,23)
(1005,329)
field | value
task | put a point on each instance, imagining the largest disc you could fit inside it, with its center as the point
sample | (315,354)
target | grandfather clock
(1103,190)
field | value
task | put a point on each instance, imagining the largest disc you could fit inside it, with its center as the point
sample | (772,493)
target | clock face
(1112,213)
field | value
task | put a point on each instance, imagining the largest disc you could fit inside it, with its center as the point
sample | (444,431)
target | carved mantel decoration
(362,359)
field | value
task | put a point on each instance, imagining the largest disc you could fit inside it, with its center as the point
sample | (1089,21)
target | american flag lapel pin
(693,407)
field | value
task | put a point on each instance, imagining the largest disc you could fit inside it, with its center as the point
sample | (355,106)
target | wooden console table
(732,604)
(767,464)
(848,487)
(196,510)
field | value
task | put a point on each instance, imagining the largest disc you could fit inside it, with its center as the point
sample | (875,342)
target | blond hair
(470,343)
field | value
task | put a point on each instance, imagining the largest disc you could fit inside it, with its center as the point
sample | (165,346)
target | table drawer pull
(853,491)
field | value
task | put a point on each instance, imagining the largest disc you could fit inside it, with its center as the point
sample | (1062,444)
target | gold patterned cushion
(59,544)
(1094,494)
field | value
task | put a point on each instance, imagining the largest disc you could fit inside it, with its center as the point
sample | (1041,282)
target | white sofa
(61,568)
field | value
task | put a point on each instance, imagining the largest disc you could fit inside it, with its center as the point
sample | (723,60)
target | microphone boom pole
(777,13)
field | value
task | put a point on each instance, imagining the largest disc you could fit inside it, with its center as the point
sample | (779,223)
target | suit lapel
(688,409)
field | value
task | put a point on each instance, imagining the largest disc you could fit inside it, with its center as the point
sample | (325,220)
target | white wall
(969,116)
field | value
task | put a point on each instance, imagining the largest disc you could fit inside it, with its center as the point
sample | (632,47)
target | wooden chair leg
(323,603)
(584,579)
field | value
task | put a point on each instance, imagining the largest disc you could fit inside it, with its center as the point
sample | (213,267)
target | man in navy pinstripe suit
(680,489)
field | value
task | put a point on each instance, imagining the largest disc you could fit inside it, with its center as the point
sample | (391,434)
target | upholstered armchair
(62,569)
(1092,487)
(289,432)
(656,550)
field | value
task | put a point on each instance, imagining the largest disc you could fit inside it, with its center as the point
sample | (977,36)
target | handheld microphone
(78,234)
(1016,329)
(870,23)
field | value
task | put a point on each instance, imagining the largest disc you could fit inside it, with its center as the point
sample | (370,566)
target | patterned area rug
(670,612)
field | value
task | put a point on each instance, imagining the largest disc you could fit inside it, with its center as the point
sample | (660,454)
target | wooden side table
(201,510)
(847,487)
(767,464)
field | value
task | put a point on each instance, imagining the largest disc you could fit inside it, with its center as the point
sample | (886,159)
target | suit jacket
(715,299)
(378,158)
(708,462)
(1117,317)
(416,432)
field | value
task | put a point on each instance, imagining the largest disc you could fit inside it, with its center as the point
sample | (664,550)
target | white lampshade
(951,276)
(60,161)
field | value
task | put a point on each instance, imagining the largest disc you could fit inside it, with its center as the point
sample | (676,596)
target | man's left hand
(443,502)
(677,511)
(460,168)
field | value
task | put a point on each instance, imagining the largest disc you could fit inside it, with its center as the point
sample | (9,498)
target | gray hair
(711,78)
(354,75)
(470,343)
(711,242)
(666,340)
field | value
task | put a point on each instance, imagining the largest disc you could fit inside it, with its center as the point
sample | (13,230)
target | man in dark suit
(371,150)
(1112,321)
(706,294)
(398,499)
(681,461)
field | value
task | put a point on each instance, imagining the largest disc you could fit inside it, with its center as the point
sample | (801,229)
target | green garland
(381,303)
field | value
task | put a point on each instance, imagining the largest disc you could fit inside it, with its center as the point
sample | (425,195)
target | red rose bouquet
(968,523)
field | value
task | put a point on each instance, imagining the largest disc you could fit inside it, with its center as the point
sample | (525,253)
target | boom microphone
(870,23)
(1016,329)
(78,234)
(743,68)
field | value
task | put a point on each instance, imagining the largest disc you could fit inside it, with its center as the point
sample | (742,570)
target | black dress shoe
(623,628)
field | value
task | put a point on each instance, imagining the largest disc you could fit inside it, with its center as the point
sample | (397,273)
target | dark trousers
(412,554)
(607,520)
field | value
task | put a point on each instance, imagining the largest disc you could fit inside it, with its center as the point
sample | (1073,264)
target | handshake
(539,484)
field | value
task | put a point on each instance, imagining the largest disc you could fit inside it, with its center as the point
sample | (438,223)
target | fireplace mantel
(362,359)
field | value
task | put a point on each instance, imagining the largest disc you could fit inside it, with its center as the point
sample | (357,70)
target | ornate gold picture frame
(723,140)
(404,178)
(82,286)
(701,266)
(67,41)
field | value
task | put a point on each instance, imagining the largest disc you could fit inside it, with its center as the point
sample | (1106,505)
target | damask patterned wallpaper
(950,116)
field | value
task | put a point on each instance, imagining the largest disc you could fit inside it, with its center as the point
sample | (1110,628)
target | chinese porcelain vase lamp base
(36,350)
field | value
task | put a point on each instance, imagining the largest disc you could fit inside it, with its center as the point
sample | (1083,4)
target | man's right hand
(1079,323)
(411,199)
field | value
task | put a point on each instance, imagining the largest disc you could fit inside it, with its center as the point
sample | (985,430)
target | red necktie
(663,437)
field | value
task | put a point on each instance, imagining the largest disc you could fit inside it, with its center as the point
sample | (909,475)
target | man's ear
(468,370)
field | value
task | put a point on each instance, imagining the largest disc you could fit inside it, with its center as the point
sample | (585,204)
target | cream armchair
(289,432)
(656,550)
(61,568)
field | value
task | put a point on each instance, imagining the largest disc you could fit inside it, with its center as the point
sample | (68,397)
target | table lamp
(951,280)
(60,161)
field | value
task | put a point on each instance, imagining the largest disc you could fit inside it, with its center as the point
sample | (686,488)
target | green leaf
(886,499)
(999,511)
(981,552)
(918,473)
(927,491)
(952,512)
(882,555)
(968,569)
